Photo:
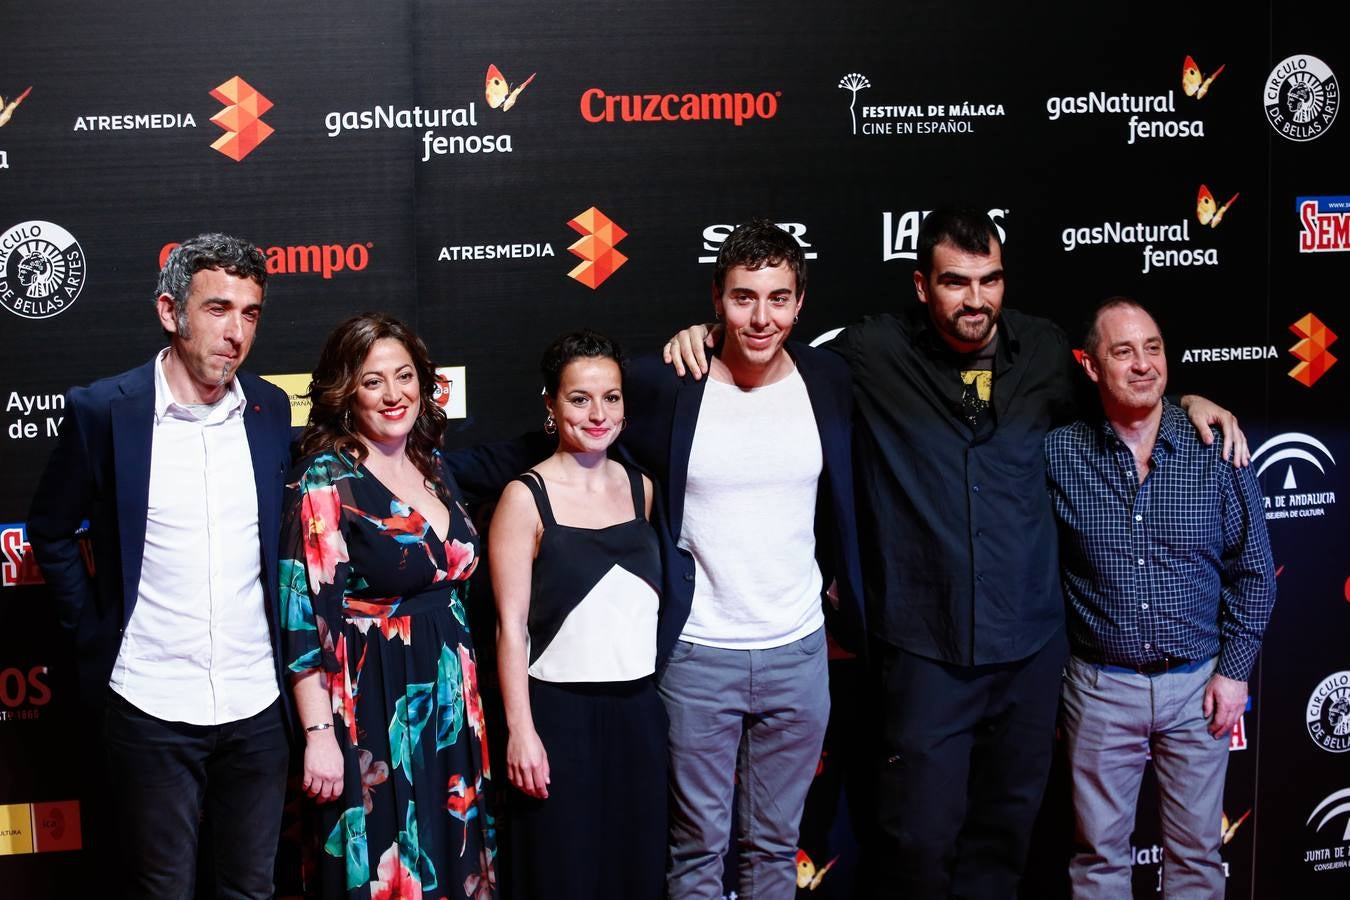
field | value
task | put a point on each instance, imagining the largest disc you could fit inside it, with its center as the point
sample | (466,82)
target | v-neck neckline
(450,520)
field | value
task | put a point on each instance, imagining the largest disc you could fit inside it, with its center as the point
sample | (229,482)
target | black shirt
(959,554)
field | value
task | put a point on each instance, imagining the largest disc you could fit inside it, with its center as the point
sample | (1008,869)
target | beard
(972,332)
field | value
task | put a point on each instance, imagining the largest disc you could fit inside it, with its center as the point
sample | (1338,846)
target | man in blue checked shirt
(1170,582)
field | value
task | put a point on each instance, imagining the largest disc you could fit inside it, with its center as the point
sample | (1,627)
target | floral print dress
(373,598)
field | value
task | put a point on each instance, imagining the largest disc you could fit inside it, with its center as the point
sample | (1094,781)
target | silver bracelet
(323,727)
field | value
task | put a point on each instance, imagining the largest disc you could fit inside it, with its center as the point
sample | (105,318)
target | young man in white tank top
(746,685)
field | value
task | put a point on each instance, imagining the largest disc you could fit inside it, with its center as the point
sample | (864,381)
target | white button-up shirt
(197,648)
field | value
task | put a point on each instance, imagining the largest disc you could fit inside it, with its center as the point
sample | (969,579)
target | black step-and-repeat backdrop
(499,172)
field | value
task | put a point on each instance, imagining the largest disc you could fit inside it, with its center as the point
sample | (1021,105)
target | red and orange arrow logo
(596,247)
(1312,349)
(241,118)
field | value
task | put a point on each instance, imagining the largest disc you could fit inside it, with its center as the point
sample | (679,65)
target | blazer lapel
(133,422)
(687,401)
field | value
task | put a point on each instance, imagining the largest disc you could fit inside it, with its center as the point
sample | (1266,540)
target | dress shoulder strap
(639,496)
(535,482)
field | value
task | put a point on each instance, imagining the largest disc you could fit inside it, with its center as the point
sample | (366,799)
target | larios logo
(1328,713)
(1314,339)
(1292,500)
(42,270)
(431,121)
(23,693)
(900,232)
(596,248)
(597,106)
(1207,213)
(715,235)
(1325,224)
(1301,98)
(1161,109)
(955,115)
(306,259)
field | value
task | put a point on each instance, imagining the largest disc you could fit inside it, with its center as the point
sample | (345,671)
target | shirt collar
(1172,419)
(925,336)
(231,404)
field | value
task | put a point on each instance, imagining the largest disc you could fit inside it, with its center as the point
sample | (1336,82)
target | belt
(1157,667)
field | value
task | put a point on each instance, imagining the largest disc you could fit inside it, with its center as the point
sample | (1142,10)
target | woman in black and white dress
(576,571)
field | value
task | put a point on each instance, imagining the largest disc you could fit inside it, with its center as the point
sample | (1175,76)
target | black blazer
(662,414)
(100,471)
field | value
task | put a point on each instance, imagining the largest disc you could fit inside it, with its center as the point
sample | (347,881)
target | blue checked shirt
(1178,566)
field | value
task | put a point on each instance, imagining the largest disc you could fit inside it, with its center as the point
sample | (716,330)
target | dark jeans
(968,753)
(165,778)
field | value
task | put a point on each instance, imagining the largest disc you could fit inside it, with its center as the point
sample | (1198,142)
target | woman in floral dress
(377,552)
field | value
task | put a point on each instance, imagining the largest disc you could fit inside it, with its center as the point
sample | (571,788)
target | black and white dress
(592,624)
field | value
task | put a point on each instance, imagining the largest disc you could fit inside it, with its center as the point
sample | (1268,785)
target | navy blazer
(100,471)
(662,414)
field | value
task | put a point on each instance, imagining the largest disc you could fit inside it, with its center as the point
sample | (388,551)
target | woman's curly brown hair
(335,382)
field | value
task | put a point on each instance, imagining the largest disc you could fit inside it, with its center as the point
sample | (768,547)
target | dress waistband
(432,598)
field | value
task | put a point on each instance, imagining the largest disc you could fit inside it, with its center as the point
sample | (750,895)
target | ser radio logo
(715,235)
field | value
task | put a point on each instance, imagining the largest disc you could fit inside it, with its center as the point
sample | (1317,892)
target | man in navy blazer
(177,465)
(755,516)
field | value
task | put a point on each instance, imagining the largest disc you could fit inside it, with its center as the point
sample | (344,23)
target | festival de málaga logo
(445,130)
(1301,96)
(1165,244)
(42,270)
(1151,115)
(910,115)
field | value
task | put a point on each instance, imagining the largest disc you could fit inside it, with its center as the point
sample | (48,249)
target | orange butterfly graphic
(7,110)
(1229,829)
(1207,212)
(499,93)
(1193,82)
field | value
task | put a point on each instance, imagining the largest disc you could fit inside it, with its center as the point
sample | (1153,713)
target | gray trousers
(753,719)
(1112,717)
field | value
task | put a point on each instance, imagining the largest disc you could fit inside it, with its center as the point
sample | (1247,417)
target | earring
(794,320)
(347,421)
(550,426)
